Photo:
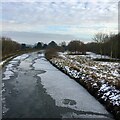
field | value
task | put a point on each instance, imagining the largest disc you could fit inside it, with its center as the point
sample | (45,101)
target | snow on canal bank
(10,70)
(2,62)
(101,79)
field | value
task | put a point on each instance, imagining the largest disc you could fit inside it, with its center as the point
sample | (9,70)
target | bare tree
(76,46)
(110,45)
(63,46)
(100,39)
(9,46)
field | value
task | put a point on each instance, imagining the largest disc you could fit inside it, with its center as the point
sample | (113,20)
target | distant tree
(0,49)
(39,45)
(23,46)
(63,43)
(118,45)
(51,53)
(92,47)
(52,44)
(9,46)
(100,39)
(77,47)
(108,44)
(114,42)
(44,46)
(63,46)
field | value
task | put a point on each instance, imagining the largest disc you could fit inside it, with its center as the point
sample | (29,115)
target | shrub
(51,53)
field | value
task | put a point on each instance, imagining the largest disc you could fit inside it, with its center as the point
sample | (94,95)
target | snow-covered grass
(11,69)
(105,71)
(102,79)
(96,56)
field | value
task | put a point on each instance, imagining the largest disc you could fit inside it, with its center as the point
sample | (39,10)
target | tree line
(8,46)
(103,44)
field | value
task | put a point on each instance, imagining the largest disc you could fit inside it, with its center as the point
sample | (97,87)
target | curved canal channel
(33,88)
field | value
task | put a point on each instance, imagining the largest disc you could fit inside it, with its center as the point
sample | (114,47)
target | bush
(9,46)
(51,53)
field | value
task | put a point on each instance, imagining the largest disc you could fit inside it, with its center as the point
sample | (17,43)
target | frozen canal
(33,88)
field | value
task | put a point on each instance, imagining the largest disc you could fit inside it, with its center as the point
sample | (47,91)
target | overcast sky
(69,19)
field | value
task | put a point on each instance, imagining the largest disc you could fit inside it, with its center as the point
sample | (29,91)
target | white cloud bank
(74,17)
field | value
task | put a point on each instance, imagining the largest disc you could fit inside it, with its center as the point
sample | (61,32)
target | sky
(30,21)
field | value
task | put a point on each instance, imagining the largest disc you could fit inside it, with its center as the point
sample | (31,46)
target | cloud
(70,1)
(59,13)
(32,38)
(75,17)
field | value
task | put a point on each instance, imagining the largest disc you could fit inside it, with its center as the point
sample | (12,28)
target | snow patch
(21,57)
(25,64)
(8,74)
(2,62)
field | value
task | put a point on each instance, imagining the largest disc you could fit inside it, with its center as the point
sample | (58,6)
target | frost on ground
(102,79)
